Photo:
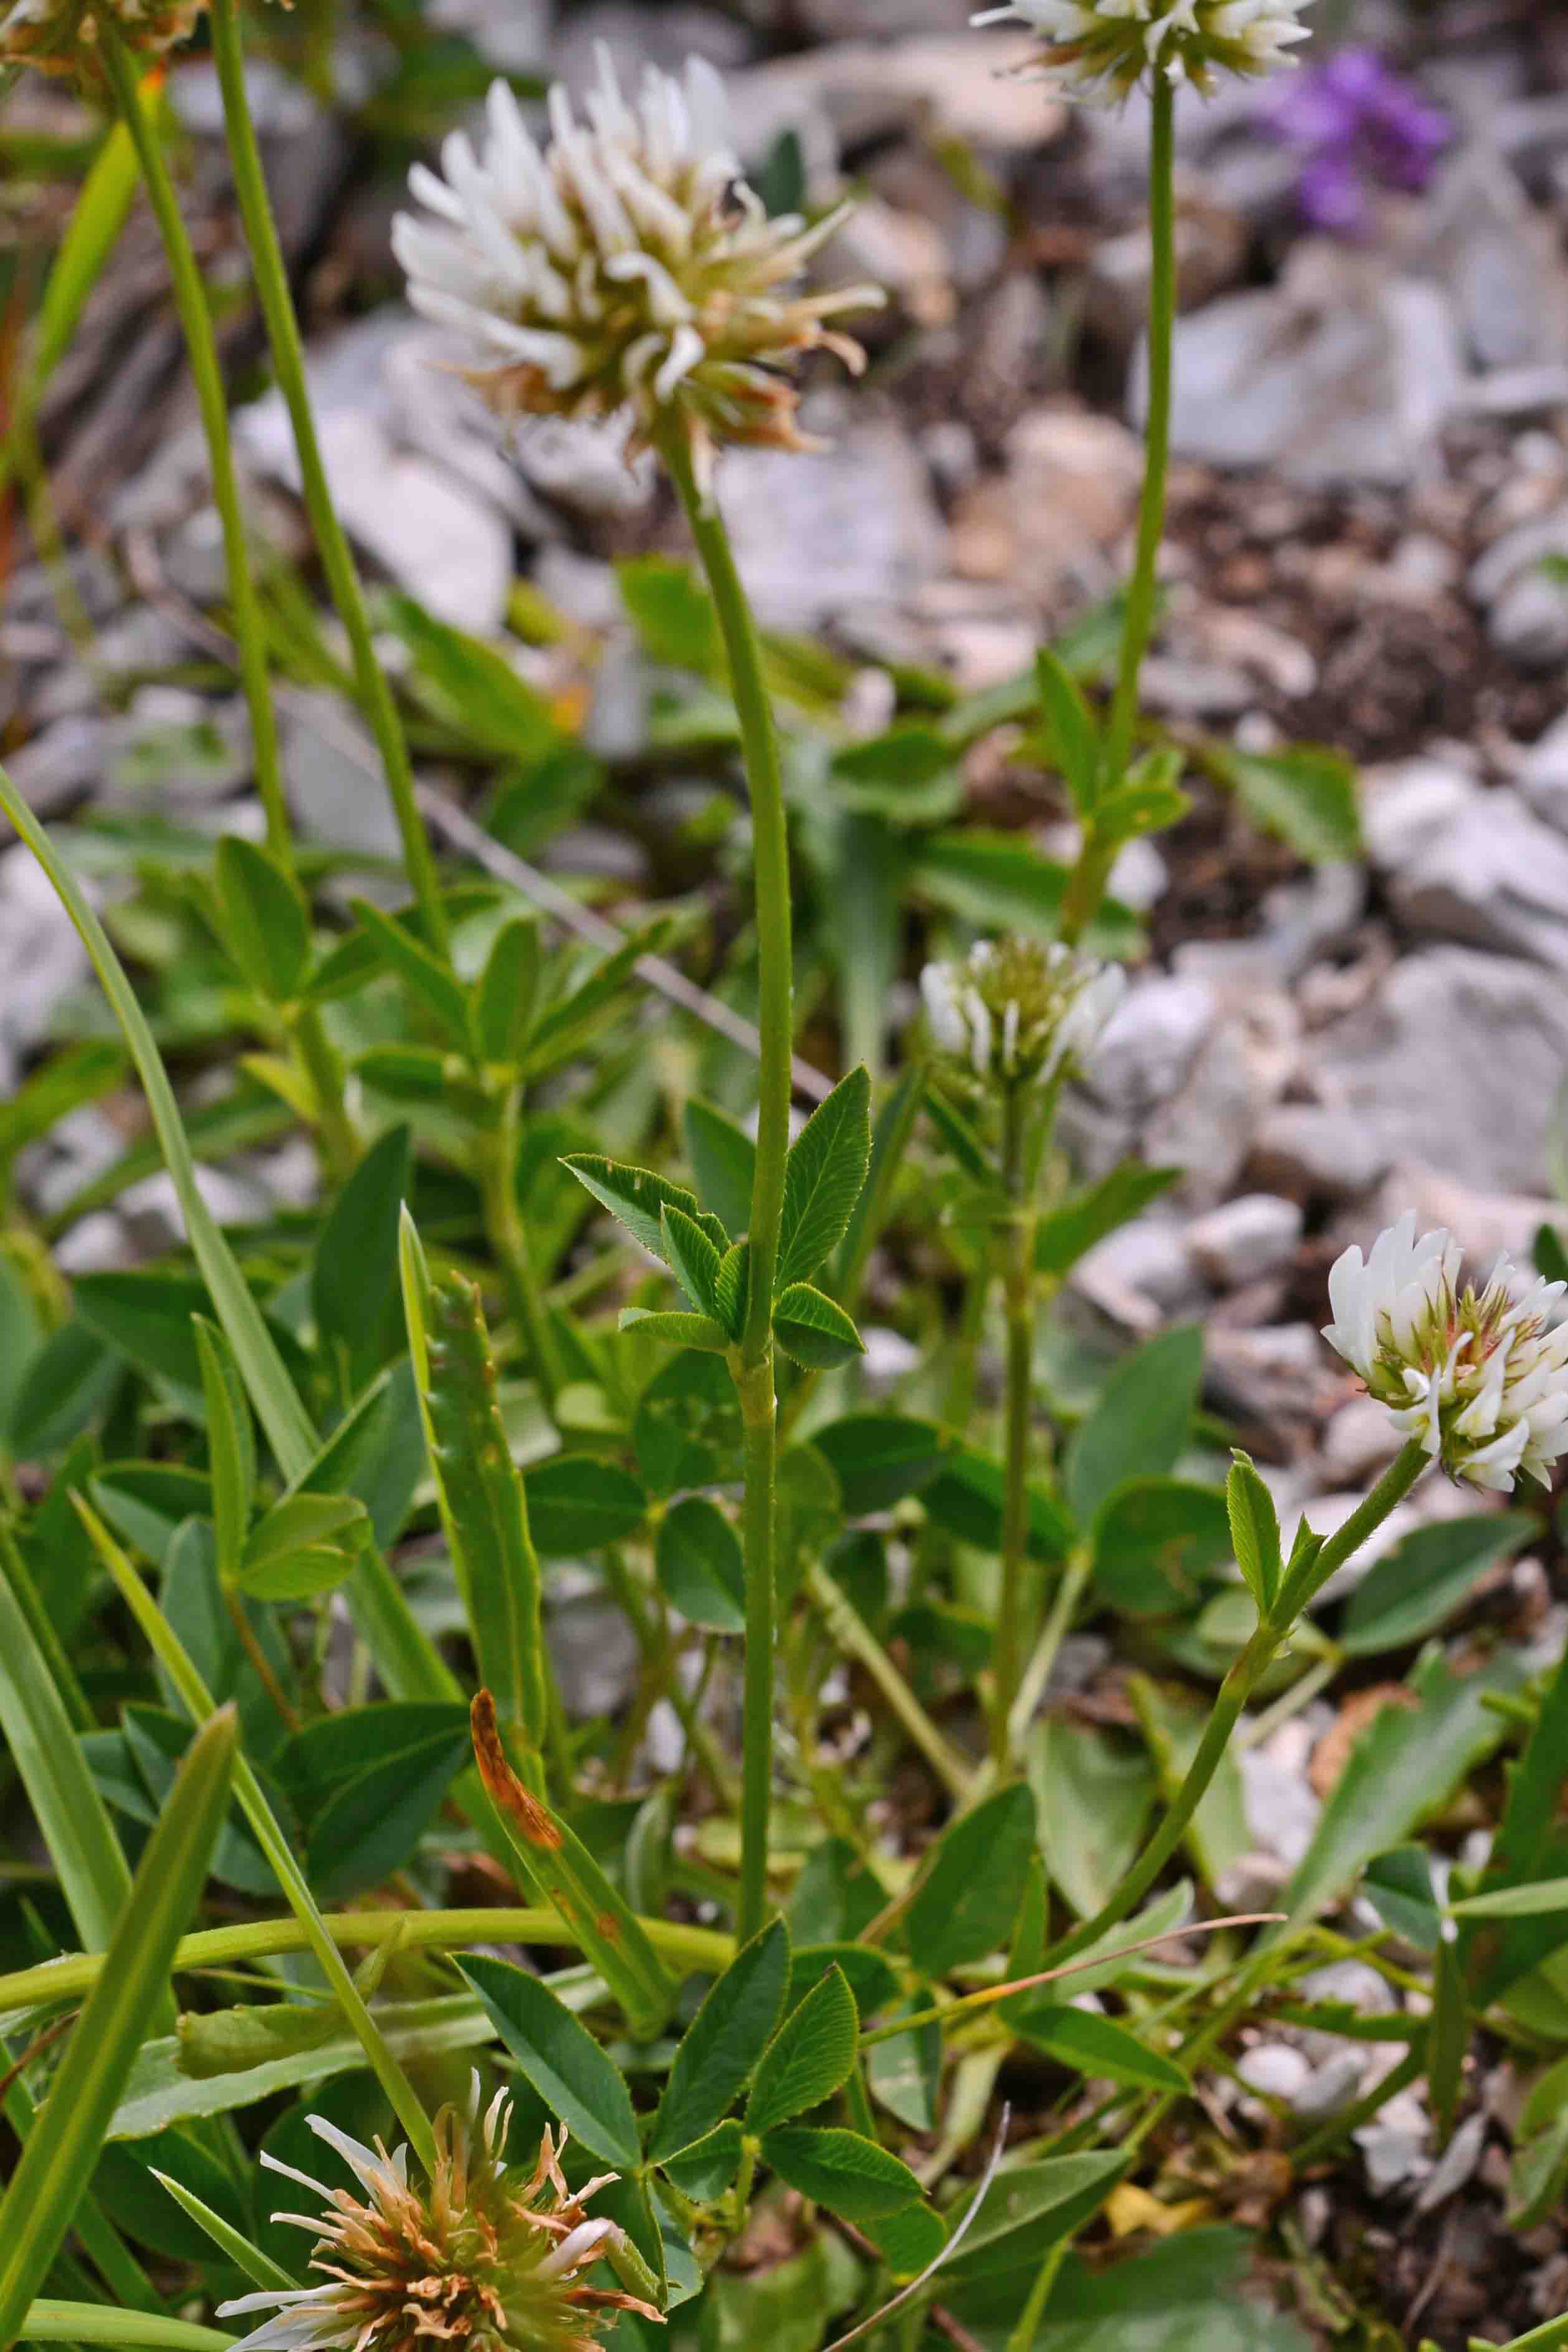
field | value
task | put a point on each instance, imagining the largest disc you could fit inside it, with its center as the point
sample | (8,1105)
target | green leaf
(1402,1770)
(62,2145)
(1070,728)
(231,1445)
(700,1569)
(813,1329)
(1142,1422)
(732,1289)
(354,1278)
(1031,2209)
(484,1508)
(999,882)
(1254,1532)
(506,993)
(1413,1589)
(823,1176)
(676,1330)
(668,605)
(1398,1885)
(695,1259)
(724,1161)
(265,925)
(556,1862)
(473,688)
(959,1135)
(687,1430)
(809,2058)
(1156,1541)
(881,1457)
(1065,1234)
(723,2043)
(1189,2294)
(909,776)
(73,1076)
(854,2177)
(639,1198)
(366,1783)
(706,2170)
(1093,1790)
(1147,799)
(426,977)
(560,2058)
(1094,2046)
(973,1884)
(966,1498)
(1305,794)
(577,1504)
(148,1317)
(301,1523)
(229,2242)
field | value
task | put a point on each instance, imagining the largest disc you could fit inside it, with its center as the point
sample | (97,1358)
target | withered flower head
(477,2260)
(61,37)
(628,266)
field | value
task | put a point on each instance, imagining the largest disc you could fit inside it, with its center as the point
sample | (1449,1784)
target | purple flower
(1357,126)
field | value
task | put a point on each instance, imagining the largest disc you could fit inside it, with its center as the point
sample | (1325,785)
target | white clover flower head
(1099,50)
(1479,1377)
(61,37)
(477,2258)
(1019,1011)
(625,266)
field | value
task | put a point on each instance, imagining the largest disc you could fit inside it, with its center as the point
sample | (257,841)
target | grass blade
(171,1654)
(239,2250)
(127,2331)
(62,2148)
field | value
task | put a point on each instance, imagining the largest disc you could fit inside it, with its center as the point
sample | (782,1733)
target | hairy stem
(753,1358)
(1140,596)
(342,575)
(1018,1298)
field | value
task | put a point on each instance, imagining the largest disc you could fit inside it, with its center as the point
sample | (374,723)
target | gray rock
(98,1244)
(1312,1153)
(332,773)
(1456,1060)
(1282,1807)
(1501,258)
(1527,612)
(1543,775)
(1331,2084)
(594,1653)
(60,762)
(514,35)
(1301,921)
(819,539)
(1147,1257)
(1255,1234)
(584,468)
(152,1216)
(78,1148)
(1278,2069)
(1152,1042)
(1405,803)
(1358,1440)
(1343,372)
(1207,1129)
(1494,877)
(1485,1224)
(41,958)
(943,87)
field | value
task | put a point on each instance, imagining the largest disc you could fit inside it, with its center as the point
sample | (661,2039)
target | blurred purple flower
(1356,125)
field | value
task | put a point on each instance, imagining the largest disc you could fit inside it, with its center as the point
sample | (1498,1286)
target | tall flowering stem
(342,575)
(315,1048)
(1243,1678)
(775,1019)
(1019,1297)
(1142,594)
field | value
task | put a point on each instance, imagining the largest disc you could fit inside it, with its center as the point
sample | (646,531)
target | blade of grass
(171,1653)
(135,2331)
(239,2250)
(62,2148)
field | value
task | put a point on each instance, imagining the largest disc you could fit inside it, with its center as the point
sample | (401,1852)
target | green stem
(342,575)
(509,1240)
(851,1635)
(1236,1688)
(1140,596)
(753,1358)
(759,1532)
(1018,1291)
(1038,1673)
(321,1062)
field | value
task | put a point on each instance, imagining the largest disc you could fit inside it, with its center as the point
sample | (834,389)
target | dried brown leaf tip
(505,1790)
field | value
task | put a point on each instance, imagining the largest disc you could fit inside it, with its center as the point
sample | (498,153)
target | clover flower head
(627,265)
(1479,1377)
(1017,1010)
(486,2261)
(1101,51)
(61,37)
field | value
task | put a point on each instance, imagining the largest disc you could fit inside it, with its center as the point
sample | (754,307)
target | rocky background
(1368,548)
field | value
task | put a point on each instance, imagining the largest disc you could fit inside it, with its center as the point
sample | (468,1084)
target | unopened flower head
(61,37)
(481,2259)
(1479,1377)
(625,266)
(1019,1010)
(1099,50)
